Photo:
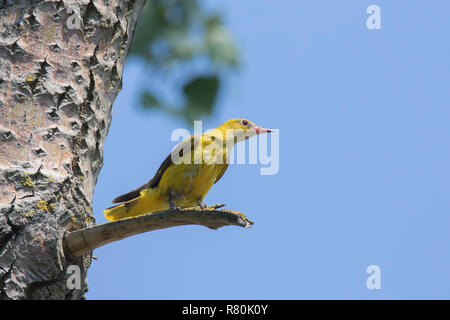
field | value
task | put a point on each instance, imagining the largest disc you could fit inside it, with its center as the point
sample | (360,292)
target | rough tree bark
(57,87)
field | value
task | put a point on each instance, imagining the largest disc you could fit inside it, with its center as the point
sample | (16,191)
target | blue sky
(364,162)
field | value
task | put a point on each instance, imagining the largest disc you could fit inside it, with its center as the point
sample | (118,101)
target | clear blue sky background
(364,162)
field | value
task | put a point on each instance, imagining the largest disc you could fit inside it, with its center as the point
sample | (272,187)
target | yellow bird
(188,173)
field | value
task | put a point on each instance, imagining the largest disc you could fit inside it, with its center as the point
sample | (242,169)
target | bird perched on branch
(188,173)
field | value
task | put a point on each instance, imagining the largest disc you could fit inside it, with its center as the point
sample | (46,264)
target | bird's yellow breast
(187,184)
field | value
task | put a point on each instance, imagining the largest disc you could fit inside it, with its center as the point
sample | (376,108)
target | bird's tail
(147,202)
(117,212)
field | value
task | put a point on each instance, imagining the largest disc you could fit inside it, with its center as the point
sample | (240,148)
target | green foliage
(200,93)
(174,35)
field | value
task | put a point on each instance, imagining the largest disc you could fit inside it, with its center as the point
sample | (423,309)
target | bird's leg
(202,205)
(173,206)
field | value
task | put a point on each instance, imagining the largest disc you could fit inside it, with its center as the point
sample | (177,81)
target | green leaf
(149,100)
(201,94)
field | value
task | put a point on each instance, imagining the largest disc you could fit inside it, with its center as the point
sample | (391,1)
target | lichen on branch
(82,241)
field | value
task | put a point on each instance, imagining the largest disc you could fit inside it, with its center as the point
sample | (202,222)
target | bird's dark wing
(192,143)
(130,195)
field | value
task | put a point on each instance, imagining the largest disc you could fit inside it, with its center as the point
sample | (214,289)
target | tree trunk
(60,70)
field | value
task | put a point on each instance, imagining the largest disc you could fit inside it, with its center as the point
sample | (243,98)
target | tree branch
(79,242)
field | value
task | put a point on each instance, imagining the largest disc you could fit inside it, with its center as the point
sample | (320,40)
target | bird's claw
(174,207)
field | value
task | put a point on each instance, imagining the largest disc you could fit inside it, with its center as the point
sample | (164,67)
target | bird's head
(242,128)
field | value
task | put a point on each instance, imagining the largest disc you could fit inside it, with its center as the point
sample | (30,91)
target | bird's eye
(244,122)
